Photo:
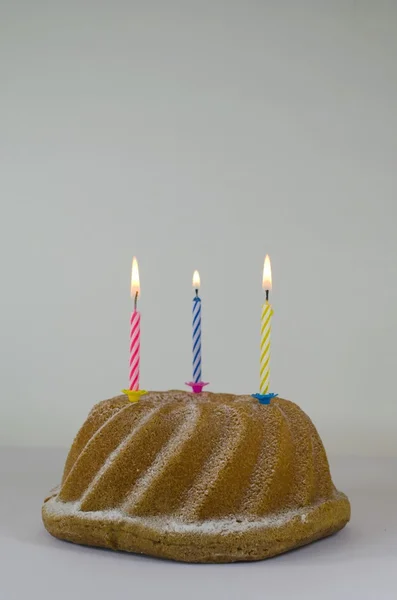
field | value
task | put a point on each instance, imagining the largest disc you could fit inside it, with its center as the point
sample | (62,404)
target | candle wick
(196,292)
(135,300)
(267,295)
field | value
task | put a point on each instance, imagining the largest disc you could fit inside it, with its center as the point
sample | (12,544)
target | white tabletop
(359,562)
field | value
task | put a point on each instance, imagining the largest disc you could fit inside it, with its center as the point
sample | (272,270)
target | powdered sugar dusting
(197,484)
(215,464)
(95,436)
(164,525)
(155,470)
(113,455)
(265,471)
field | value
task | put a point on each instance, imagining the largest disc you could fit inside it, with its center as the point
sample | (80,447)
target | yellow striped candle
(266,325)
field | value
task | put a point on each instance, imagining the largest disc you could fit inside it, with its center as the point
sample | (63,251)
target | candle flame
(267,274)
(135,286)
(196,280)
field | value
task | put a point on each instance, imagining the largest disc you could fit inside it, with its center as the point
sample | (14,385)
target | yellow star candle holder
(134,395)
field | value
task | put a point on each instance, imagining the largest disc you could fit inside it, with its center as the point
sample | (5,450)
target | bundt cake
(196,477)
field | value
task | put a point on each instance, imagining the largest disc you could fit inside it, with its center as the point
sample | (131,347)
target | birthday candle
(135,330)
(196,330)
(266,324)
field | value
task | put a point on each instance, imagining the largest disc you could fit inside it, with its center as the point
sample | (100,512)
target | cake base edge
(249,541)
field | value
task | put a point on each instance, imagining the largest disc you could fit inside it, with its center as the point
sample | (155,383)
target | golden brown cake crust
(198,478)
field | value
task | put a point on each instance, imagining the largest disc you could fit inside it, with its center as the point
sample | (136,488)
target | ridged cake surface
(196,477)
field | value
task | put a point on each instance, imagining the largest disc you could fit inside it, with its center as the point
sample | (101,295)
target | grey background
(199,135)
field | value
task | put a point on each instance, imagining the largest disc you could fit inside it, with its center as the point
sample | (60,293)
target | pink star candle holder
(197,386)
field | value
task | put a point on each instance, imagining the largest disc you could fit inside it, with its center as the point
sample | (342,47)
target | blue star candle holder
(264,398)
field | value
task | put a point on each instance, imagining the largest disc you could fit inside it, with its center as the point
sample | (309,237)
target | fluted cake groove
(205,478)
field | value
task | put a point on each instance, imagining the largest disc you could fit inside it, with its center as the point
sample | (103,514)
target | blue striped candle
(196,330)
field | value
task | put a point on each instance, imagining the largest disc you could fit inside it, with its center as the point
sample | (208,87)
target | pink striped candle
(135,329)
